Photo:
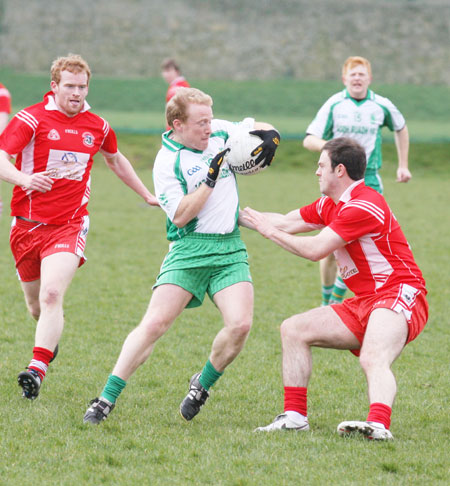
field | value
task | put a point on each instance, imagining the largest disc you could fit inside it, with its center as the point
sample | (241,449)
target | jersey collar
(347,194)
(369,96)
(175,146)
(51,103)
(177,80)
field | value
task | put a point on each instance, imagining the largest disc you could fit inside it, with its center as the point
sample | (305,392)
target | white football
(241,144)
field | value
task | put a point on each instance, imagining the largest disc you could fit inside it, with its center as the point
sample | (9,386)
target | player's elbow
(316,254)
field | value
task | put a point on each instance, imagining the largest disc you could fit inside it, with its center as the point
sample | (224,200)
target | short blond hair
(177,107)
(354,61)
(73,63)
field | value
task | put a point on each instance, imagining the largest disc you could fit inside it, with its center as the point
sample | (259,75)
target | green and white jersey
(343,116)
(179,170)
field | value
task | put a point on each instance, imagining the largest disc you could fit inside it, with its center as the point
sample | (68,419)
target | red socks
(40,361)
(381,413)
(295,399)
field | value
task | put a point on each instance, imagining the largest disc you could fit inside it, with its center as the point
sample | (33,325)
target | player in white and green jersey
(358,113)
(199,195)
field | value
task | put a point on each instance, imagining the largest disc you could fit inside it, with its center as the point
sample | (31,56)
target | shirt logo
(88,139)
(69,158)
(70,130)
(193,170)
(53,135)
(357,117)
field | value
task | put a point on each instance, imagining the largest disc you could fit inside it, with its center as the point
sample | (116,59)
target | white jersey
(343,116)
(179,170)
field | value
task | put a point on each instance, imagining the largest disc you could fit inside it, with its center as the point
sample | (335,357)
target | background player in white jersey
(358,113)
(54,143)
(199,194)
(389,308)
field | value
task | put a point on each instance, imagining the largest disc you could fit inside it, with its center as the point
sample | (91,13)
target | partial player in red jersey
(54,143)
(389,308)
(5,110)
(171,73)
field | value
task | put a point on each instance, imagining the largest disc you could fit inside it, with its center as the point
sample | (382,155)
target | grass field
(145,441)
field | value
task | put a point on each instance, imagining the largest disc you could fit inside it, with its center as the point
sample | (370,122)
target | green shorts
(201,263)
(373,180)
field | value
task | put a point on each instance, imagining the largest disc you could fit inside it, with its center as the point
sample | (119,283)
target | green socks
(113,388)
(326,293)
(209,376)
(339,290)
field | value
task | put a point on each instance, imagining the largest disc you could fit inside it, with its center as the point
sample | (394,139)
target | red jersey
(377,256)
(42,138)
(179,82)
(5,100)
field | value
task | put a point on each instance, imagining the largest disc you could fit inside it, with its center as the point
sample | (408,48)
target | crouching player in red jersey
(53,143)
(389,308)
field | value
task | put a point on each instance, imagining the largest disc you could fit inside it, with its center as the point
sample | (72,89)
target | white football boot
(370,430)
(284,422)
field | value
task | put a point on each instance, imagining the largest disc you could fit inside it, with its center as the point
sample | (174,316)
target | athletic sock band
(381,413)
(296,399)
(40,361)
(209,375)
(113,388)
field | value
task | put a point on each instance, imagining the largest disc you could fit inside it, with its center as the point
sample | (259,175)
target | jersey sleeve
(318,213)
(322,125)
(18,133)
(227,128)
(109,145)
(170,187)
(358,218)
(393,119)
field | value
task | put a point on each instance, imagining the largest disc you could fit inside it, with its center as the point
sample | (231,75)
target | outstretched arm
(123,169)
(291,222)
(311,247)
(402,143)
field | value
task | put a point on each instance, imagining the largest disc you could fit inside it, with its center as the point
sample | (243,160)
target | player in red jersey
(171,73)
(389,308)
(53,143)
(5,110)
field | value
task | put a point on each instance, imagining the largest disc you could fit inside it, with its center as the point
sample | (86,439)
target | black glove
(214,168)
(266,151)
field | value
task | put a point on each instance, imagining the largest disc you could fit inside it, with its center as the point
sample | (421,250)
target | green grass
(144,441)
(137,105)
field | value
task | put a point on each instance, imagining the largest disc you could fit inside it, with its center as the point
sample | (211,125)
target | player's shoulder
(366,200)
(381,100)
(31,115)
(167,155)
(93,118)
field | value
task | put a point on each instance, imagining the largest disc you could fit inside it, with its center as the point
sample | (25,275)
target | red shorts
(355,312)
(31,242)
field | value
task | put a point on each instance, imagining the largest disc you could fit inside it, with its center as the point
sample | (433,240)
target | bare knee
(50,297)
(241,328)
(153,327)
(34,309)
(290,329)
(369,359)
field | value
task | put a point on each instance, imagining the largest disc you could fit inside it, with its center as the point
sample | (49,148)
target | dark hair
(170,64)
(350,154)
